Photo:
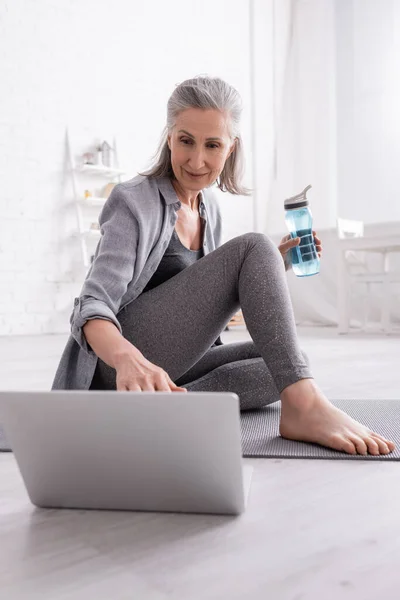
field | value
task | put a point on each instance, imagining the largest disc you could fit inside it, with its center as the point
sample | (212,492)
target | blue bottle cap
(299,200)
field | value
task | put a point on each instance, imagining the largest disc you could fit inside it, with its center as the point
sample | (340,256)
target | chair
(359,272)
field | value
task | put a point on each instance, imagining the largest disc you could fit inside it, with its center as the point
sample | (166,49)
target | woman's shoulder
(138,186)
(140,191)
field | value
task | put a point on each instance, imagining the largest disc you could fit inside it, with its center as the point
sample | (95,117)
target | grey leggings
(175,323)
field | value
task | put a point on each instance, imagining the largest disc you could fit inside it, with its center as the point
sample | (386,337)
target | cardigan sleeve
(216,216)
(218,226)
(112,268)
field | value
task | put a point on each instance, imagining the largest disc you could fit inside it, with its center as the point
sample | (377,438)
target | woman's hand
(137,374)
(287,242)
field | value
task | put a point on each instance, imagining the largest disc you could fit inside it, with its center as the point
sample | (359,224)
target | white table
(384,244)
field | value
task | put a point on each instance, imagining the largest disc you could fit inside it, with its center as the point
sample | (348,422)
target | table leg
(342,293)
(386,302)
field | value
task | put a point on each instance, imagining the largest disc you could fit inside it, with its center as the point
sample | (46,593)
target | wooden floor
(313,530)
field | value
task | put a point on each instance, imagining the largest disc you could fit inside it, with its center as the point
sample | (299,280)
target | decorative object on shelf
(99,155)
(88,194)
(106,191)
(106,151)
(88,158)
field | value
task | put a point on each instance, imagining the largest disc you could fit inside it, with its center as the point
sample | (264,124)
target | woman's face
(200,143)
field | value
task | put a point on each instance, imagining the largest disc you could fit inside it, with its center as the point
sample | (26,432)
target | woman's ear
(169,141)
(233,147)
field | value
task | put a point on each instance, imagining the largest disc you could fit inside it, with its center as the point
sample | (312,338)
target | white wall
(96,66)
(263,131)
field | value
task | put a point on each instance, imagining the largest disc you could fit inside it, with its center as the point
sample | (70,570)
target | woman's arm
(94,320)
(133,371)
(112,268)
(107,342)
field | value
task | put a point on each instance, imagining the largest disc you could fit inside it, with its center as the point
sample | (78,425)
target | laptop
(141,451)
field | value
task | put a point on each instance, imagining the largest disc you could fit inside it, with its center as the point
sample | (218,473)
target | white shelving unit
(100,170)
(87,208)
(93,201)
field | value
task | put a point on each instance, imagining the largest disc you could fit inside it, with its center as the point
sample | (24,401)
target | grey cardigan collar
(168,192)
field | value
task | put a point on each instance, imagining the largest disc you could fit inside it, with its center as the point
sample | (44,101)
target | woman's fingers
(174,387)
(140,375)
(164,384)
(124,385)
(318,244)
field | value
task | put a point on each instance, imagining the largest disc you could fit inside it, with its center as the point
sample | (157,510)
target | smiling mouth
(197,175)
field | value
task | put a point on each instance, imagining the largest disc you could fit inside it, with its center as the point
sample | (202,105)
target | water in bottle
(298,218)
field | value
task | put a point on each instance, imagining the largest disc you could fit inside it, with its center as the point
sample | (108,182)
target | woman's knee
(253,239)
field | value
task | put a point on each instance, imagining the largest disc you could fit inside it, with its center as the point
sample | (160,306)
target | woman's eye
(189,142)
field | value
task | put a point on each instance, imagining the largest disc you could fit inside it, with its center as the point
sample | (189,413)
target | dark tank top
(176,258)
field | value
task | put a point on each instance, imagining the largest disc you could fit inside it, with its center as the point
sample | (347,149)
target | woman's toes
(359,443)
(373,446)
(383,447)
(388,443)
(347,446)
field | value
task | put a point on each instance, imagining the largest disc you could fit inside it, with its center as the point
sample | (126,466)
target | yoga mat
(260,431)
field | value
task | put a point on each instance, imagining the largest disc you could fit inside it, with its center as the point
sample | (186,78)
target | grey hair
(206,93)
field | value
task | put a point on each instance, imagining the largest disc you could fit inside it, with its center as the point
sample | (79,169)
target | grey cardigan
(136,224)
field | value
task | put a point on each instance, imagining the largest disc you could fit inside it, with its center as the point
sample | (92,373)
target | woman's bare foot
(308,416)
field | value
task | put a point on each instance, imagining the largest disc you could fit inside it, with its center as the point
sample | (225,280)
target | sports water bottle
(298,218)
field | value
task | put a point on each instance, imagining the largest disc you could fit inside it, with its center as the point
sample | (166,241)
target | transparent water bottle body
(305,260)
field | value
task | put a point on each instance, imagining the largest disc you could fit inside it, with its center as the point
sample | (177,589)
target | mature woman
(162,287)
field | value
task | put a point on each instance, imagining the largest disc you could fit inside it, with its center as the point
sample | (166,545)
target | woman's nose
(196,160)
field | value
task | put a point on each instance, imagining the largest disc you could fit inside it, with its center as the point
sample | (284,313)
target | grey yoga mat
(260,431)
